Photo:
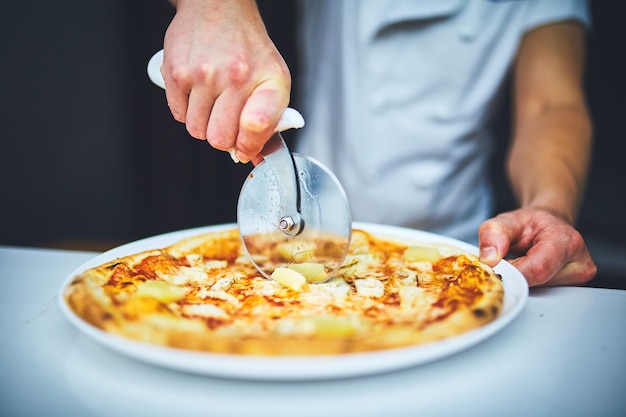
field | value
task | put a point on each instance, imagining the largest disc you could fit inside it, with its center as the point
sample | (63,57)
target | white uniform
(397,96)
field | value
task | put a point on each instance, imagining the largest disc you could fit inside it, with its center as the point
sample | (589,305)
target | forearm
(551,147)
(549,159)
(224,3)
(217,12)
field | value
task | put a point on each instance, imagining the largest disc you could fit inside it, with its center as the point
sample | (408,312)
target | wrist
(557,204)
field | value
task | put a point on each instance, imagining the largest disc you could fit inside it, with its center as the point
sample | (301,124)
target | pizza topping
(422,254)
(215,264)
(296,251)
(161,291)
(337,287)
(186,275)
(155,265)
(360,266)
(313,272)
(409,296)
(194,259)
(263,287)
(369,287)
(289,278)
(222,284)
(218,295)
(405,277)
(204,310)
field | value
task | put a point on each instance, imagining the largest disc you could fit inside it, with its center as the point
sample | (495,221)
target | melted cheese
(369,287)
(204,310)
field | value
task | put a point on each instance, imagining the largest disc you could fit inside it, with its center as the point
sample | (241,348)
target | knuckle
(180,76)
(184,77)
(277,66)
(486,226)
(283,72)
(258,122)
(205,72)
(576,240)
(238,72)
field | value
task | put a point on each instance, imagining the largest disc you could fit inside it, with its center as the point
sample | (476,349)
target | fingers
(238,115)
(557,258)
(222,125)
(177,96)
(233,120)
(200,105)
(547,250)
(259,118)
(495,236)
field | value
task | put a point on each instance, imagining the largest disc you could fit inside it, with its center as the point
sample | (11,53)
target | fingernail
(488,253)
(243,159)
(233,156)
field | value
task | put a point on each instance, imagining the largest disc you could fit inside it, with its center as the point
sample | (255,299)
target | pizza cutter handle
(283,166)
(290,119)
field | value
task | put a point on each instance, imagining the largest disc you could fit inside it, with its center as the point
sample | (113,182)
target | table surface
(565,354)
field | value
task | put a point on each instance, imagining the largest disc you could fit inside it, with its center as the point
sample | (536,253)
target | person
(398,100)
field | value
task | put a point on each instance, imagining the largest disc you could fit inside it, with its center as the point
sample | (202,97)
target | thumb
(494,237)
(259,117)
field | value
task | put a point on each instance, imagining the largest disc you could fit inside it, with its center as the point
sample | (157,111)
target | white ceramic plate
(301,367)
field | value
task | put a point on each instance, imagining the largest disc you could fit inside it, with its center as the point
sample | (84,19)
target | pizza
(203,293)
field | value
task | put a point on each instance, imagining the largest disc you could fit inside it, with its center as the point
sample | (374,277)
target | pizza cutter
(292,211)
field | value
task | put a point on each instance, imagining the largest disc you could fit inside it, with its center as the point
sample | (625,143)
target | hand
(547,250)
(224,77)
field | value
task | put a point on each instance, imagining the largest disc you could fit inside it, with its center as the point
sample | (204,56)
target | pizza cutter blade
(293,212)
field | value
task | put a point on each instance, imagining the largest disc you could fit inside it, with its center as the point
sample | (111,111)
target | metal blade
(293,211)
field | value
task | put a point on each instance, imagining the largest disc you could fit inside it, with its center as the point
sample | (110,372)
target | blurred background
(91,157)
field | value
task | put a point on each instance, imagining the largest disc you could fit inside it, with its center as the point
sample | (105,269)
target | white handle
(154,69)
(291,118)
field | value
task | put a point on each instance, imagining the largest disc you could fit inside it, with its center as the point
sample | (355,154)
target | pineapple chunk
(421,254)
(161,291)
(296,251)
(313,272)
(409,296)
(289,278)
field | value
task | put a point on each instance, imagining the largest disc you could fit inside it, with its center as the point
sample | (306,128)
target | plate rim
(282,368)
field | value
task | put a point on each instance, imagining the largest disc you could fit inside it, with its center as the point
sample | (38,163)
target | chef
(398,100)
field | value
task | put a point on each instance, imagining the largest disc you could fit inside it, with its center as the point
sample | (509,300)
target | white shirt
(397,97)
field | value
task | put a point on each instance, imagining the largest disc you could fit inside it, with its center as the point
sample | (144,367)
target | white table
(565,355)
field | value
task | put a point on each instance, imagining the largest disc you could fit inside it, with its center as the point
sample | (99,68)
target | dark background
(91,157)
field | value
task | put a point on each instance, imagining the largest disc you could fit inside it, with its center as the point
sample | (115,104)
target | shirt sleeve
(541,12)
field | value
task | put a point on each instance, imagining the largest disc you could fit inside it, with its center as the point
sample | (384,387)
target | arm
(548,162)
(224,77)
